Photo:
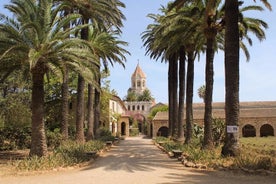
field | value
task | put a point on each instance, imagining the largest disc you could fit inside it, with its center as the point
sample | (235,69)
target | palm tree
(210,27)
(35,38)
(109,49)
(232,41)
(108,16)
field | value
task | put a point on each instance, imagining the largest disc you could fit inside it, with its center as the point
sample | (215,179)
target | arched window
(266,130)
(249,131)
(138,83)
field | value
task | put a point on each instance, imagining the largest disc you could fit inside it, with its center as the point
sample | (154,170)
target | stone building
(119,120)
(138,110)
(257,119)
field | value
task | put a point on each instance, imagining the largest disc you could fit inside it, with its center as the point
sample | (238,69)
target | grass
(256,154)
(70,153)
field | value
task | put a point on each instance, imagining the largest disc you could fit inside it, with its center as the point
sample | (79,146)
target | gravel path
(137,161)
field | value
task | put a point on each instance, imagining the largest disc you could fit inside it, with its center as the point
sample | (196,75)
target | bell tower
(138,81)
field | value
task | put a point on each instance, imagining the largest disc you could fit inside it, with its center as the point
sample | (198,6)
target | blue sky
(257,77)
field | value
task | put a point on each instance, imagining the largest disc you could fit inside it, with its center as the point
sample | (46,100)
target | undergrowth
(252,158)
(67,154)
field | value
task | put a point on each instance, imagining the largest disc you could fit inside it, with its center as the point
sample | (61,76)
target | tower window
(138,84)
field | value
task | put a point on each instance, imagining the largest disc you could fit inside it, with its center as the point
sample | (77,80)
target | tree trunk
(80,110)
(65,106)
(231,146)
(174,97)
(170,79)
(209,74)
(189,98)
(97,111)
(90,115)
(181,110)
(65,94)
(80,96)
(38,142)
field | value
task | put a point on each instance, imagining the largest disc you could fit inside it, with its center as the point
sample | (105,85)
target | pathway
(137,161)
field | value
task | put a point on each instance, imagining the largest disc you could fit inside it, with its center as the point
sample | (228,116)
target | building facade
(257,119)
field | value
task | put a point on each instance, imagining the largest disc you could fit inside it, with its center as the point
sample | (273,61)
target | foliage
(201,92)
(68,154)
(134,130)
(198,131)
(105,98)
(12,138)
(159,108)
(54,138)
(104,134)
(146,96)
(15,111)
(131,96)
(218,131)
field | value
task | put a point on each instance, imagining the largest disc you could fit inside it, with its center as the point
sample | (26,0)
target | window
(133,107)
(143,108)
(128,107)
(113,107)
(138,83)
(138,107)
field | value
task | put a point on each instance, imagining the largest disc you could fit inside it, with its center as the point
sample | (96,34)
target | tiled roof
(247,110)
(138,72)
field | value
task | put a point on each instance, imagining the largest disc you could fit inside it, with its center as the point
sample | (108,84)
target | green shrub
(103,134)
(218,131)
(67,154)
(12,138)
(54,138)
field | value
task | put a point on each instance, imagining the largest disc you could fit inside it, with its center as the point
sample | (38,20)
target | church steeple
(138,80)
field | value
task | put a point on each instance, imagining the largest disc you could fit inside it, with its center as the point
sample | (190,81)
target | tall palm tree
(232,42)
(184,23)
(210,27)
(107,15)
(152,39)
(35,38)
(109,49)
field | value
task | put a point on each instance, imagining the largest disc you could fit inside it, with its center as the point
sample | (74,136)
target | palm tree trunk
(97,111)
(65,94)
(189,98)
(90,115)
(65,105)
(181,110)
(80,97)
(231,146)
(209,74)
(174,97)
(80,110)
(170,79)
(38,142)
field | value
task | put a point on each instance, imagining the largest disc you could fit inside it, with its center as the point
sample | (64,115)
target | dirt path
(137,161)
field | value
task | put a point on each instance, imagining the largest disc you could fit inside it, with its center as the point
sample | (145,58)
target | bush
(218,130)
(12,138)
(54,138)
(68,154)
(103,134)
